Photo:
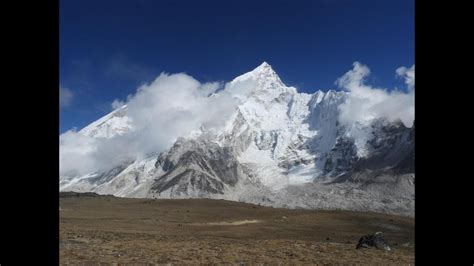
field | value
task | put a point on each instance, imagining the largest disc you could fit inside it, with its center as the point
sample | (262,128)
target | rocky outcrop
(197,167)
(391,148)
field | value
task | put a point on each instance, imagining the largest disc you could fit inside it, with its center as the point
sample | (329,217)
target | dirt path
(235,222)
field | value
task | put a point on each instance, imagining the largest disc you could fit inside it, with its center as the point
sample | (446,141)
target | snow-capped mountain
(280,148)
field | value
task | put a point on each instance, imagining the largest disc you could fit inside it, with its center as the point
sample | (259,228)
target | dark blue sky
(108,48)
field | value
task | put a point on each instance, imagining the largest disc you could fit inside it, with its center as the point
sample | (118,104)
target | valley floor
(105,229)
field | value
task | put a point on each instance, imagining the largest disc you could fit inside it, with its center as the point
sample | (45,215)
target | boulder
(376,240)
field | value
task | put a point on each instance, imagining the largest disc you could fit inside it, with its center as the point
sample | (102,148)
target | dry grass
(143,232)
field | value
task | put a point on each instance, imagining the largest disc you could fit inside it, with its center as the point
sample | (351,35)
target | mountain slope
(279,148)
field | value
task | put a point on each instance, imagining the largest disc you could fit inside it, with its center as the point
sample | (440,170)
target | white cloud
(408,74)
(117,104)
(65,97)
(365,103)
(75,153)
(172,106)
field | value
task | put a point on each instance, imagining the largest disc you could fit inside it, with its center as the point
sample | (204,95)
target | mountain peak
(264,65)
(264,68)
(263,74)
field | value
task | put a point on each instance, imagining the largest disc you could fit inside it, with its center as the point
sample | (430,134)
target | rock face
(279,148)
(390,151)
(376,240)
(196,168)
(392,146)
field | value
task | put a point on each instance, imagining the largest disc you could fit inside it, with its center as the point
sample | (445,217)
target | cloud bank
(365,103)
(160,112)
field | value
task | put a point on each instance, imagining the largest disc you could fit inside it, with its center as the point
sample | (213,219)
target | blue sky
(109,48)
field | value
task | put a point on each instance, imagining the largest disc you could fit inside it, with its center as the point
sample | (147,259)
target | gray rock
(376,240)
(197,166)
